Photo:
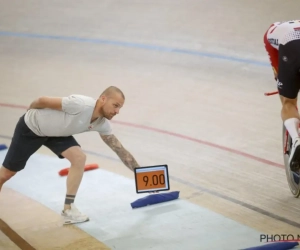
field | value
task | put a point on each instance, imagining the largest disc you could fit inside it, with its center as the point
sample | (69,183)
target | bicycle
(293,176)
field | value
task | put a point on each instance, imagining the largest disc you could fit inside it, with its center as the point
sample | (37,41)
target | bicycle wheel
(293,177)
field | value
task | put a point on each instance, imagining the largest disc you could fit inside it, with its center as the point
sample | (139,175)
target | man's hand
(123,154)
(47,102)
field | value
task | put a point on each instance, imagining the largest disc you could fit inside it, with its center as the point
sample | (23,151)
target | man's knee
(79,159)
(75,155)
(5,174)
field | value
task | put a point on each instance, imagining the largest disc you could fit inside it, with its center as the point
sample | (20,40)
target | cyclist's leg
(288,85)
(290,116)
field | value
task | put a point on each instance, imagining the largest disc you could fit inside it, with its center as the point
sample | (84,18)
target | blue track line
(134,45)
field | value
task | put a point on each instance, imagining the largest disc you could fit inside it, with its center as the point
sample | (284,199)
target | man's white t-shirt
(75,118)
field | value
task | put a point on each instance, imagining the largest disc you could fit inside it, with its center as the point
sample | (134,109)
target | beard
(106,114)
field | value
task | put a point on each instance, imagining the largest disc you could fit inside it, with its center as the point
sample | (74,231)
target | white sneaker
(295,154)
(73,215)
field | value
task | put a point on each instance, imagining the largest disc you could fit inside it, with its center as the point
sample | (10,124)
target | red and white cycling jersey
(280,33)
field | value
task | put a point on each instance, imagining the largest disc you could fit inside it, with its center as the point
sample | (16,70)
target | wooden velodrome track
(194,74)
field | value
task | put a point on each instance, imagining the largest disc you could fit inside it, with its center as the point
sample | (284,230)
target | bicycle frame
(271,93)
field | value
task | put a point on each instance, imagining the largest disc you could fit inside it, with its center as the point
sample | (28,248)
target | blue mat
(2,147)
(154,199)
(275,246)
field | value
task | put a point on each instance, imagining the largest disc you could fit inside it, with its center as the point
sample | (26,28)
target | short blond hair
(111,90)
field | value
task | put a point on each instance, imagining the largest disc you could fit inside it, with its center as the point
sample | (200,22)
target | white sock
(292,126)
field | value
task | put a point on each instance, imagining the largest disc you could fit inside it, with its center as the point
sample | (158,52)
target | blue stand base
(154,199)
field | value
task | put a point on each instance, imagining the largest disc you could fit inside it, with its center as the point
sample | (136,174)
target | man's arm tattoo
(118,148)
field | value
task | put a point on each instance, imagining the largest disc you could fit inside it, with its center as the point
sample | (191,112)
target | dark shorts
(288,82)
(25,143)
